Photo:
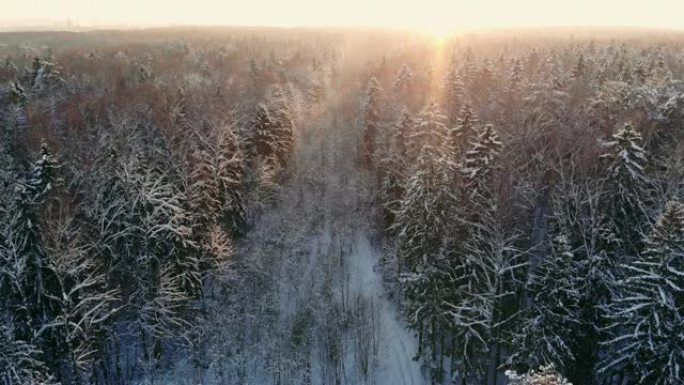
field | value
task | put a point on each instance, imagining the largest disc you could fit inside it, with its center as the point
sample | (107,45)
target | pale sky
(430,15)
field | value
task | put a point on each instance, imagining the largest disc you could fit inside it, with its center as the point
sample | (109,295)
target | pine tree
(402,131)
(371,113)
(484,307)
(20,361)
(648,315)
(625,156)
(283,126)
(44,73)
(421,218)
(454,89)
(44,173)
(230,174)
(17,95)
(29,275)
(422,222)
(263,139)
(515,76)
(395,166)
(479,161)
(579,69)
(430,134)
(640,74)
(86,303)
(402,81)
(625,160)
(551,329)
(40,285)
(461,133)
(204,193)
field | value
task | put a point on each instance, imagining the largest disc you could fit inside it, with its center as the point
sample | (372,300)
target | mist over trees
(264,206)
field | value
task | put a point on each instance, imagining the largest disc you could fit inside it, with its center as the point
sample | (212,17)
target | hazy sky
(435,15)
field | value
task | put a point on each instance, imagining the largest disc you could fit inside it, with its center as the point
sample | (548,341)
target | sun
(439,34)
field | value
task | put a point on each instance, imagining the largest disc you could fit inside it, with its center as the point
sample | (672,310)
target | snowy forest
(308,206)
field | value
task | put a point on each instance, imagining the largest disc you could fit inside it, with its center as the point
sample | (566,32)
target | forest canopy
(342,206)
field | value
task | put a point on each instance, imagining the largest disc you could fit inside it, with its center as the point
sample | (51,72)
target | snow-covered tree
(43,74)
(17,95)
(283,125)
(454,92)
(516,73)
(20,361)
(38,286)
(402,81)
(395,166)
(551,330)
(86,303)
(216,181)
(402,131)
(371,117)
(230,170)
(625,160)
(545,375)
(422,215)
(482,305)
(44,176)
(421,223)
(460,134)
(263,140)
(580,67)
(428,140)
(479,160)
(647,317)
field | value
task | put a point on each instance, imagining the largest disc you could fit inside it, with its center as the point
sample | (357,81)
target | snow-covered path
(347,209)
(396,346)
(308,304)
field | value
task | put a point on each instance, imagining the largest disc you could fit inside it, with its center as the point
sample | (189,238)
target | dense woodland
(204,206)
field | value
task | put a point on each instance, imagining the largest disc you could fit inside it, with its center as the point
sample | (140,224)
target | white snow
(396,347)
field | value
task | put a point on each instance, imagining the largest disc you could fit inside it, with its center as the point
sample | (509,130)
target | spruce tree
(647,317)
(479,160)
(395,167)
(454,90)
(230,175)
(429,137)
(421,223)
(402,81)
(627,183)
(17,95)
(263,138)
(283,126)
(371,115)
(551,332)
(21,363)
(461,133)
(487,309)
(516,73)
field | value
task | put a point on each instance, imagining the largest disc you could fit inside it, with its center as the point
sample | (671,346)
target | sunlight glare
(439,34)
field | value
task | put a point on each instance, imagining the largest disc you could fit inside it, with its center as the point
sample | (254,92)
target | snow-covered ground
(307,304)
(396,346)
